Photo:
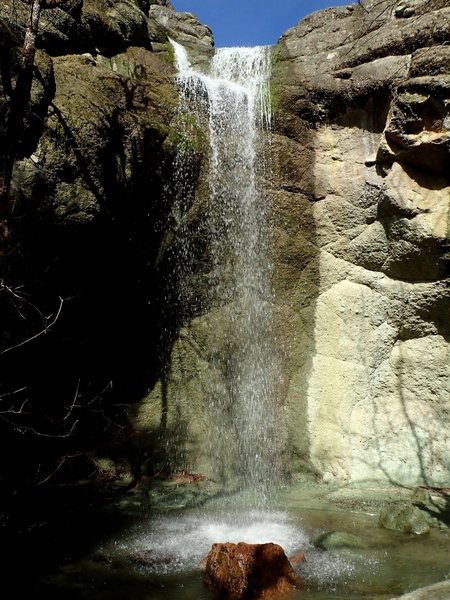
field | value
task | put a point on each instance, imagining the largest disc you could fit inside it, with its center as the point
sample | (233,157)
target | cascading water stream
(234,101)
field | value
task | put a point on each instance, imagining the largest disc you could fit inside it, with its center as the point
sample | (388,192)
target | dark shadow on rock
(436,502)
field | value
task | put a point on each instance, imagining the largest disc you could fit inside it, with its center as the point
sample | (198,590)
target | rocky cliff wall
(359,194)
(361,208)
(82,289)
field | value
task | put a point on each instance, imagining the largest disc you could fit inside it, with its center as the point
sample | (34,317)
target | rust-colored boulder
(250,571)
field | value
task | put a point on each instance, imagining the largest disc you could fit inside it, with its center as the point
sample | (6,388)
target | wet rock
(183,27)
(297,559)
(338,540)
(437,591)
(257,571)
(405,518)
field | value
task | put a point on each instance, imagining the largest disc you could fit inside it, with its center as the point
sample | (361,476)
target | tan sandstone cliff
(362,200)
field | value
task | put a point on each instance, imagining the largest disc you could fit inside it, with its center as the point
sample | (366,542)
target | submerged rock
(258,571)
(338,540)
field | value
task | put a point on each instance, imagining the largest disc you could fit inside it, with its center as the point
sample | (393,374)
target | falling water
(234,102)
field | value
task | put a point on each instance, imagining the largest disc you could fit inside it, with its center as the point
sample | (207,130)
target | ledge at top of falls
(104,26)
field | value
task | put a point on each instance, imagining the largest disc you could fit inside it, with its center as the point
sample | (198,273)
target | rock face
(89,215)
(243,571)
(184,28)
(361,210)
(359,191)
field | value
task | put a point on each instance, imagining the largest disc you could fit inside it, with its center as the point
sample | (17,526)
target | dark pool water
(155,555)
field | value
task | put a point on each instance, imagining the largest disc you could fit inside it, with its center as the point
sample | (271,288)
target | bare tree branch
(60,464)
(27,429)
(44,330)
(109,385)
(73,405)
(21,298)
(12,393)
(362,5)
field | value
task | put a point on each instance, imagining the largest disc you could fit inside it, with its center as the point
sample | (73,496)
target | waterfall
(221,239)
(233,101)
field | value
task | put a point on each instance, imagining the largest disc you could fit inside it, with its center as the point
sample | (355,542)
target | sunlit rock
(361,192)
(406,518)
(257,571)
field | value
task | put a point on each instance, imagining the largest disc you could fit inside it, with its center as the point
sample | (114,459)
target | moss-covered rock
(405,518)
(338,541)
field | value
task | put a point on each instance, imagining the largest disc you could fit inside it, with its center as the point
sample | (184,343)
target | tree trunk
(18,102)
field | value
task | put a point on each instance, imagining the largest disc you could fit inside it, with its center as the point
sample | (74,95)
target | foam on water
(179,543)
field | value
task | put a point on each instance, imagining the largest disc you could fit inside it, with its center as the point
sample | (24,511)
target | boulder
(183,27)
(437,591)
(257,571)
(405,518)
(338,540)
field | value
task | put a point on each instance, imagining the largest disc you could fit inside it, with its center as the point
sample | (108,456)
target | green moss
(274,87)
(187,135)
(275,56)
(170,53)
(274,92)
(165,50)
